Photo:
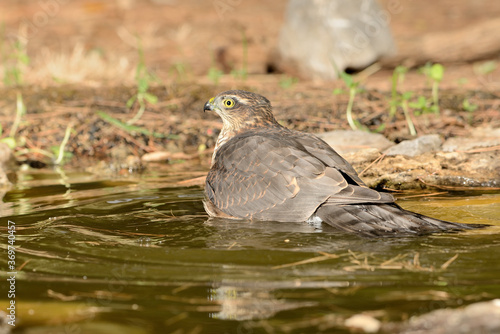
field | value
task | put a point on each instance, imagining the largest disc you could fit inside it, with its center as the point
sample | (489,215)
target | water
(138,254)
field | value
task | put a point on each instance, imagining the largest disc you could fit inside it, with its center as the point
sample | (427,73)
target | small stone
(363,322)
(414,147)
(156,156)
(160,156)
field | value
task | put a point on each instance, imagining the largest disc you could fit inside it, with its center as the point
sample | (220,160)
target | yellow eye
(228,103)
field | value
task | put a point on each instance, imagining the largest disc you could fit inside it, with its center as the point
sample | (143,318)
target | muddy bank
(178,131)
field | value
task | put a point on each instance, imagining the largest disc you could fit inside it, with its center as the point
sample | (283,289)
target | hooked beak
(209,106)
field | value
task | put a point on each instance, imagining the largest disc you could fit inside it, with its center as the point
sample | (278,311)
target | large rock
(348,33)
(480,137)
(449,169)
(348,141)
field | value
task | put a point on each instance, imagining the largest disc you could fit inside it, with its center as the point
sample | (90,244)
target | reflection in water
(246,304)
(141,256)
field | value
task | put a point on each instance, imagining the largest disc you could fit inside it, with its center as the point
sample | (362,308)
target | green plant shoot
(397,78)
(436,74)
(287,82)
(352,85)
(143,79)
(59,151)
(405,97)
(243,72)
(20,111)
(214,74)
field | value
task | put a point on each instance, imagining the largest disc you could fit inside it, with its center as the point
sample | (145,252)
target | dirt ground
(83,56)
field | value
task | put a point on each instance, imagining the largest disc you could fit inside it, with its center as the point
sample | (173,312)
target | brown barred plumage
(264,171)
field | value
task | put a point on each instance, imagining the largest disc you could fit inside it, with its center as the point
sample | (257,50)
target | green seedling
(380,128)
(143,79)
(398,99)
(242,73)
(11,140)
(17,62)
(467,106)
(287,82)
(214,74)
(397,79)
(180,69)
(337,91)
(421,106)
(425,70)
(470,108)
(405,97)
(132,128)
(486,67)
(59,151)
(353,87)
(20,112)
(435,73)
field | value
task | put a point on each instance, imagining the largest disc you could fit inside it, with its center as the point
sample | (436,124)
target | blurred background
(98,42)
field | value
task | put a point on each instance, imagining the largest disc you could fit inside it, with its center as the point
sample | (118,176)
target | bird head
(240,109)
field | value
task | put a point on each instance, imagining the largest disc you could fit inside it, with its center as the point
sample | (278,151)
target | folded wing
(275,176)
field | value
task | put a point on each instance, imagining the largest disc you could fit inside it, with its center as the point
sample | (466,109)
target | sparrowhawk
(263,171)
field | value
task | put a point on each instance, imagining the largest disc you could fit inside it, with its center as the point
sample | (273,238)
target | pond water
(99,253)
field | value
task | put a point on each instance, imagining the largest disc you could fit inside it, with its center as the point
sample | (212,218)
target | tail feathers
(384,220)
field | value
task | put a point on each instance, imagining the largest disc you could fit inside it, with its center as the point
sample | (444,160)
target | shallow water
(138,254)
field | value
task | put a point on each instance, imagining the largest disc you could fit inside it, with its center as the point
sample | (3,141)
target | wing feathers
(382,220)
(269,176)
